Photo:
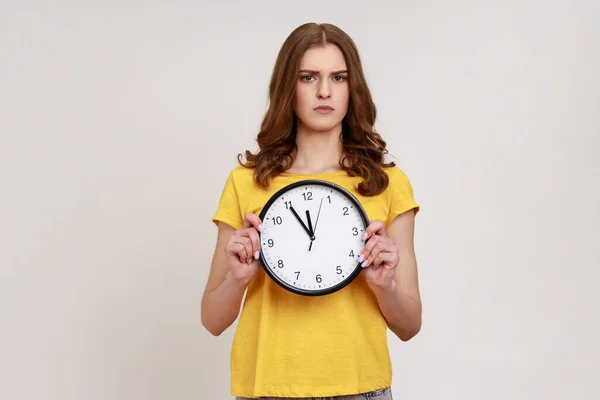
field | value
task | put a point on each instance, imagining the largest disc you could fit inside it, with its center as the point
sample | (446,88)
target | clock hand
(312,231)
(302,222)
(310,227)
(319,213)
(315,228)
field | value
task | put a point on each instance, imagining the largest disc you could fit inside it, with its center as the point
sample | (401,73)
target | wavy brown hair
(364,150)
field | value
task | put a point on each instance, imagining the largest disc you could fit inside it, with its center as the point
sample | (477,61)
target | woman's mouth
(324,109)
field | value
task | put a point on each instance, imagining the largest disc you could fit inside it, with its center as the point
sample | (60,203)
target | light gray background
(109,184)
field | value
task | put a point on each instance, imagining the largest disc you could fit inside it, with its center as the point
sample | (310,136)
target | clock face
(311,238)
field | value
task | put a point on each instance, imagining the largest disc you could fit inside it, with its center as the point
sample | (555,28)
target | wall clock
(311,238)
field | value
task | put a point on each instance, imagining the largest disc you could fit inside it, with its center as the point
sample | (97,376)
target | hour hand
(301,222)
(310,226)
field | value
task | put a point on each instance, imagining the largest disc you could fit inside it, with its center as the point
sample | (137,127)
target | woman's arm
(391,270)
(233,266)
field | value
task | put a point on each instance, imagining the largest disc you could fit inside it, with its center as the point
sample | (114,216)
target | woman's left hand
(379,257)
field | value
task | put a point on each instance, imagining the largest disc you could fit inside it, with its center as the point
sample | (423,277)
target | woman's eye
(339,78)
(306,78)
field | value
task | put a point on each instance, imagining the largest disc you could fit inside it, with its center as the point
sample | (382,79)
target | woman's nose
(324,91)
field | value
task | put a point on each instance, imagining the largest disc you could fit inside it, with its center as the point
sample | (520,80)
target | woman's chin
(322,126)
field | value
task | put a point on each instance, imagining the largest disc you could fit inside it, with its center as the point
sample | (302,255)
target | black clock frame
(330,185)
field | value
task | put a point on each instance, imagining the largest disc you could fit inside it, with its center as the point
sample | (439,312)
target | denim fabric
(381,394)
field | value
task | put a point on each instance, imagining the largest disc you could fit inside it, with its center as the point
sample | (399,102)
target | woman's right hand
(243,250)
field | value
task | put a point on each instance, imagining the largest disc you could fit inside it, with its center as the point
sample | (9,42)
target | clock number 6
(319,280)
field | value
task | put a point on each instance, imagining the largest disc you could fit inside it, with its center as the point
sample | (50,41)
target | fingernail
(260,228)
(256,255)
(361,258)
(365,263)
(365,235)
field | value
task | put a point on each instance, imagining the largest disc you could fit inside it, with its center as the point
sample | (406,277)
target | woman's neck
(317,152)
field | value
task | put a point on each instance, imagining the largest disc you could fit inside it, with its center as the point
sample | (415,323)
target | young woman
(320,125)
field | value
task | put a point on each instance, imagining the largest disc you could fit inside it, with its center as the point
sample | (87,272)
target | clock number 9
(270,242)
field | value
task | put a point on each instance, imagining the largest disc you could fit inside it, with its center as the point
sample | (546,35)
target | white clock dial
(312,237)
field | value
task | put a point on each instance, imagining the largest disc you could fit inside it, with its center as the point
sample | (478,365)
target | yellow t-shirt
(288,345)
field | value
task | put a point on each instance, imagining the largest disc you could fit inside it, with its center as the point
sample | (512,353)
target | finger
(379,247)
(239,250)
(374,228)
(383,258)
(247,244)
(368,248)
(252,235)
(255,242)
(252,220)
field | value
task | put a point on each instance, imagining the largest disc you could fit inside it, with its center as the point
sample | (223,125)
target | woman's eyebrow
(312,72)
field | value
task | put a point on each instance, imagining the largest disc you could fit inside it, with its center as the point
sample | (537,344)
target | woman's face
(322,91)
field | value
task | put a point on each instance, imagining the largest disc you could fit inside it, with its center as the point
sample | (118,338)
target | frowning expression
(322,90)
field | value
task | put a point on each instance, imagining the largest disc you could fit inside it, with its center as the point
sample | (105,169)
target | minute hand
(302,222)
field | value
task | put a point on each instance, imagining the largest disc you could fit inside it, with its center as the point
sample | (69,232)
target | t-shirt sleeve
(228,210)
(402,197)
